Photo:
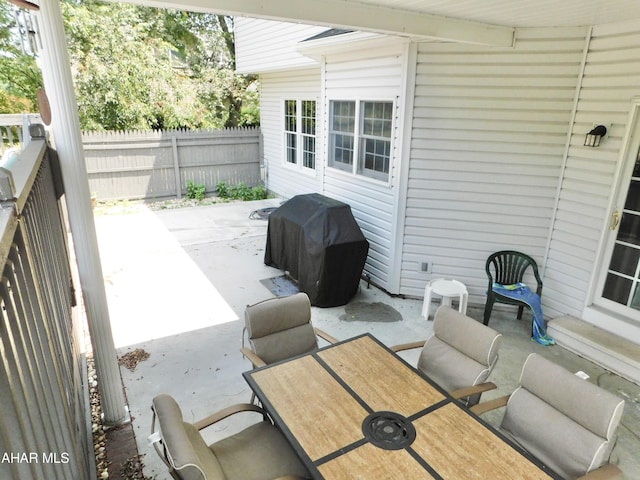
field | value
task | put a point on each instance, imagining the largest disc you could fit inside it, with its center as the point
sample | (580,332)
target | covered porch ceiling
(487,22)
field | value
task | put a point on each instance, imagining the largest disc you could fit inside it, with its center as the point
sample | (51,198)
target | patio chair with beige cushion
(566,422)
(259,452)
(460,355)
(280,328)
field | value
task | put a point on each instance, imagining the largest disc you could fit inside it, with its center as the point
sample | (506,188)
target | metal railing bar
(48,280)
(30,343)
(14,365)
(41,254)
(27,372)
(10,431)
(49,402)
(51,339)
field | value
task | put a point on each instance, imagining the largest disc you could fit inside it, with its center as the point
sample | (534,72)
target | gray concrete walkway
(177,284)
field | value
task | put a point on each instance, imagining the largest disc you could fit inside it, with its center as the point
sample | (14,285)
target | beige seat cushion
(467,335)
(448,367)
(461,353)
(188,452)
(259,452)
(565,421)
(280,328)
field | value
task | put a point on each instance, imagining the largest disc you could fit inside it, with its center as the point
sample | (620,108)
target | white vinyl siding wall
(266,45)
(489,132)
(368,75)
(285,179)
(495,158)
(611,79)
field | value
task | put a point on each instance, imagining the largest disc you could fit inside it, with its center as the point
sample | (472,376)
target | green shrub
(241,191)
(222,189)
(259,192)
(196,191)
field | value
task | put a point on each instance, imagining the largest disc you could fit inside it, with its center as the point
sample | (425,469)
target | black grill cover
(317,240)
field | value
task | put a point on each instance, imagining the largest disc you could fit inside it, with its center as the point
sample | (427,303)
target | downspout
(567,145)
(58,83)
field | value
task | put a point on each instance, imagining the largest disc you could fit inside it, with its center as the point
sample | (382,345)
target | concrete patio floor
(178,281)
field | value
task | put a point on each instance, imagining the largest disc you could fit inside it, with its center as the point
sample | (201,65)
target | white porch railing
(12,128)
(44,421)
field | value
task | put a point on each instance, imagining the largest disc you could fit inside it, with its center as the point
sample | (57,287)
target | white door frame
(599,311)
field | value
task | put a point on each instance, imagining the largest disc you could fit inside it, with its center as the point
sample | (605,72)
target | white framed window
(360,134)
(291,131)
(300,133)
(342,121)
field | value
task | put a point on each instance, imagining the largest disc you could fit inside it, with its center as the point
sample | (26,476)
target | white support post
(56,70)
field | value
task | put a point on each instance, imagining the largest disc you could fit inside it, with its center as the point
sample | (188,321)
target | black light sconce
(594,136)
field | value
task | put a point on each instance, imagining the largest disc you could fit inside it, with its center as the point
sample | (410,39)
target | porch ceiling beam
(352,15)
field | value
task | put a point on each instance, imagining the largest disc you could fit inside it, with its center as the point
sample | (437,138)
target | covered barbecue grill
(317,240)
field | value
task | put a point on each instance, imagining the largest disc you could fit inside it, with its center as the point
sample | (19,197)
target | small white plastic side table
(448,290)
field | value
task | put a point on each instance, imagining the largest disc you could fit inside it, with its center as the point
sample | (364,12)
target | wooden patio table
(357,410)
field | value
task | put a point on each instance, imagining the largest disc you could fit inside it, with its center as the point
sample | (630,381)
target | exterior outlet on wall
(582,375)
(425,267)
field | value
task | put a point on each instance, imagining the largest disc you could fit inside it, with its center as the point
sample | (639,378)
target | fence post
(176,166)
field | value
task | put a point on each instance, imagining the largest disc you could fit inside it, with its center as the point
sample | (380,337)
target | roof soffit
(353,16)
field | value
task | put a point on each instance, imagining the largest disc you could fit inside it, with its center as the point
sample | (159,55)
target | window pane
(290,116)
(343,116)
(635,301)
(342,123)
(633,197)
(375,155)
(344,149)
(309,117)
(629,228)
(617,289)
(377,119)
(309,152)
(290,131)
(308,132)
(375,139)
(624,259)
(291,147)
(636,168)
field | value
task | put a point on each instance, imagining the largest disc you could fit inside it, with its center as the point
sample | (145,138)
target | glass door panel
(623,276)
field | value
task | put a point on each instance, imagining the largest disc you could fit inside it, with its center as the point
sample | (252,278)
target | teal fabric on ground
(520,291)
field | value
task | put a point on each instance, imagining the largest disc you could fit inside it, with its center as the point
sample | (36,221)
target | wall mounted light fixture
(594,136)
(28,4)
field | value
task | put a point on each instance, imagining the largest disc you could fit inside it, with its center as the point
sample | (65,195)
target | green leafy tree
(237,92)
(137,68)
(20,76)
(123,76)
(145,68)
(206,43)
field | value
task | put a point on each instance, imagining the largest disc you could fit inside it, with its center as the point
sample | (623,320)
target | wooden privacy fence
(160,164)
